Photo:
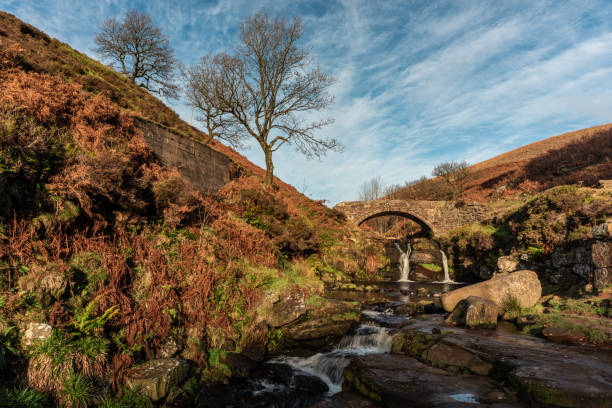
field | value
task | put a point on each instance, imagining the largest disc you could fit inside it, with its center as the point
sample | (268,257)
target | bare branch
(259,91)
(140,51)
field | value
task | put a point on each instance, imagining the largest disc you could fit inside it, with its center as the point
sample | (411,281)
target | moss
(345,316)
(542,394)
(430,267)
(69,211)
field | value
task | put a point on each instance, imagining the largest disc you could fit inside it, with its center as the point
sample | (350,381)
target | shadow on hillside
(587,160)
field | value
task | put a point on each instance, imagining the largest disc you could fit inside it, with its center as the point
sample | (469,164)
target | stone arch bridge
(433,216)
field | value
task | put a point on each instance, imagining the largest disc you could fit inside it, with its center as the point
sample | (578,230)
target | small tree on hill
(372,189)
(455,174)
(140,51)
(262,89)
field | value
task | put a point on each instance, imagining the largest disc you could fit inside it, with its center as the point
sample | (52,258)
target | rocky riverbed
(403,354)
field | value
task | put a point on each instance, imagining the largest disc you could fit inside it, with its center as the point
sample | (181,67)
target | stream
(295,381)
(292,381)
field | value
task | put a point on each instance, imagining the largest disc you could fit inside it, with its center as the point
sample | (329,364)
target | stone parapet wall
(207,169)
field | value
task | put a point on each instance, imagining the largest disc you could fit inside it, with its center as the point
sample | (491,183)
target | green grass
(23,397)
(61,346)
(78,390)
(511,307)
(430,267)
(127,398)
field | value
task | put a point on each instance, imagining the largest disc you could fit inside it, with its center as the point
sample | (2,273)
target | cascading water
(447,278)
(404,264)
(329,367)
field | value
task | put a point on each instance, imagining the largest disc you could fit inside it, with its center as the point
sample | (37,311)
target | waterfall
(329,367)
(445,267)
(404,264)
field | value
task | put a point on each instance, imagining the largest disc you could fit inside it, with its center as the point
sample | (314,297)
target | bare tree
(140,51)
(455,174)
(261,90)
(372,189)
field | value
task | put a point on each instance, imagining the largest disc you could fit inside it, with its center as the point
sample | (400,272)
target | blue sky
(419,82)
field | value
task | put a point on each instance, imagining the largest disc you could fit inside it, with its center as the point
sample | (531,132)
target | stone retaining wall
(207,169)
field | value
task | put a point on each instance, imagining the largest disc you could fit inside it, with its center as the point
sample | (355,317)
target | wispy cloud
(418,82)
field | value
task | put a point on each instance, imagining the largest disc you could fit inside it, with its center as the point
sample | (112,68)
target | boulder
(35,333)
(484,272)
(474,312)
(601,252)
(507,264)
(156,377)
(402,381)
(583,270)
(287,310)
(583,256)
(523,285)
(444,355)
(603,231)
(602,277)
(559,259)
(169,348)
(562,335)
(323,325)
(422,292)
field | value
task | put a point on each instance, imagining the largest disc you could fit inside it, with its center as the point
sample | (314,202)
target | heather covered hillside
(583,156)
(119,257)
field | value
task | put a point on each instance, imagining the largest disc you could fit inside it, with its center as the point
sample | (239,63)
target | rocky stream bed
(398,356)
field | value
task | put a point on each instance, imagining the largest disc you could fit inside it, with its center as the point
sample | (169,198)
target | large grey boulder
(156,377)
(523,285)
(474,312)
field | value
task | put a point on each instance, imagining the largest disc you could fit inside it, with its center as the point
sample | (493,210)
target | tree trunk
(269,168)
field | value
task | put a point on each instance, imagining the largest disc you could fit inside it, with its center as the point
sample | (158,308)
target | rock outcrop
(474,313)
(402,381)
(35,333)
(155,377)
(601,254)
(523,285)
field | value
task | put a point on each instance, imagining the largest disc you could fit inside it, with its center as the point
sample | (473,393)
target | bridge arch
(424,224)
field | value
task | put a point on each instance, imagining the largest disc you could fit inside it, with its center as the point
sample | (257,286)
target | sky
(418,82)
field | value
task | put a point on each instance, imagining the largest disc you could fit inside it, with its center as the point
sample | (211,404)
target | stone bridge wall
(207,169)
(438,216)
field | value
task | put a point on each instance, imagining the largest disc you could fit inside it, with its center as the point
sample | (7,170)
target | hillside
(110,258)
(582,156)
(42,54)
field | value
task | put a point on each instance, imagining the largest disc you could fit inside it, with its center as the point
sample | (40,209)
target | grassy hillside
(120,255)
(579,157)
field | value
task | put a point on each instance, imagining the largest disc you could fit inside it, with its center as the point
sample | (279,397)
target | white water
(404,264)
(329,367)
(447,278)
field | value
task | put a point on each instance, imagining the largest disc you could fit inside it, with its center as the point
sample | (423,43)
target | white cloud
(419,82)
